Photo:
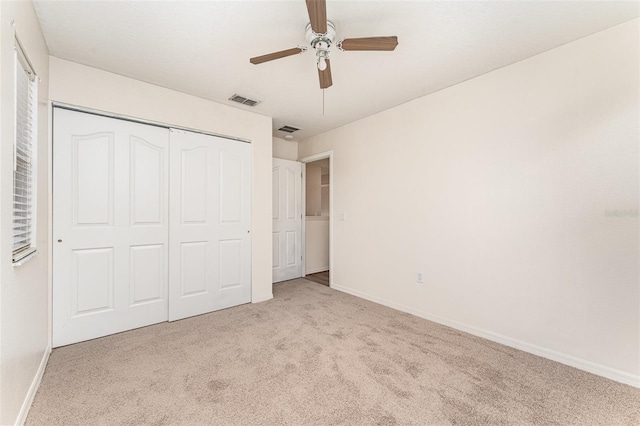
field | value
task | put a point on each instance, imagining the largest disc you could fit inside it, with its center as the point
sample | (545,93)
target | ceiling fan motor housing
(321,41)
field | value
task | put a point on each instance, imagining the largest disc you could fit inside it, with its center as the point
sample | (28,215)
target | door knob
(59,241)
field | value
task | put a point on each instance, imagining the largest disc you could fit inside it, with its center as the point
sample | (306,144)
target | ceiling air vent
(288,129)
(244,101)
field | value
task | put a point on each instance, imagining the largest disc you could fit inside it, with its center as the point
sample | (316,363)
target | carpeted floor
(313,355)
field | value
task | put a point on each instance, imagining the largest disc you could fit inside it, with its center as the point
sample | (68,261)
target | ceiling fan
(321,34)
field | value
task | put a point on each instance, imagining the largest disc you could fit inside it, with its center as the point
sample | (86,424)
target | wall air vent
(288,129)
(244,101)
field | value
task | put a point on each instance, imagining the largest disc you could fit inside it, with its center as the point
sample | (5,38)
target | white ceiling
(203,48)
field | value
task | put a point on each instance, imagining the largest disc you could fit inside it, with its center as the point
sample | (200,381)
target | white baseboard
(33,389)
(262,298)
(570,360)
(316,270)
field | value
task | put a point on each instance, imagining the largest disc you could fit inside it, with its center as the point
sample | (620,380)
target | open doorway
(317,223)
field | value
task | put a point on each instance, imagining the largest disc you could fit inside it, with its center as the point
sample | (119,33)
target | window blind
(23,166)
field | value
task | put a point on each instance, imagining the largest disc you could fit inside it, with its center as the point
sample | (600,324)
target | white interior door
(210,193)
(110,226)
(287,220)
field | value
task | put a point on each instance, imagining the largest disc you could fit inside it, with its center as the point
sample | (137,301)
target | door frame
(304,161)
(51,105)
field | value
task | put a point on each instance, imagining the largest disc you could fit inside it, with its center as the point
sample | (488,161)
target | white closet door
(110,226)
(287,220)
(210,240)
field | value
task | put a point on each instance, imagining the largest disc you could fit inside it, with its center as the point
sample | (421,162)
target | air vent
(288,129)
(244,101)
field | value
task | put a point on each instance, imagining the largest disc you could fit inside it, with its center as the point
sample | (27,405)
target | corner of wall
(507,211)
(262,298)
(33,388)
(24,290)
(284,149)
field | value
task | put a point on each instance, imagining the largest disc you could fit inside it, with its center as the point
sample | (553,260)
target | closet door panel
(210,260)
(148,183)
(235,223)
(110,226)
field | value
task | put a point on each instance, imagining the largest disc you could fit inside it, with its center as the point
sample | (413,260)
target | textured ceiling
(203,48)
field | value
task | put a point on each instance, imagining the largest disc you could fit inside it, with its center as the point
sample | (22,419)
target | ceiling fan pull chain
(323,102)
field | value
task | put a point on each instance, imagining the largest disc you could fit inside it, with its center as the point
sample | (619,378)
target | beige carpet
(316,356)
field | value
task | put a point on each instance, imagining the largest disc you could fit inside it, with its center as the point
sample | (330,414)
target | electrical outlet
(419,278)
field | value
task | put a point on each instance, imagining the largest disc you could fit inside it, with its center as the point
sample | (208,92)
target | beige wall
(316,197)
(499,190)
(313,206)
(287,150)
(24,295)
(89,87)
(316,244)
(317,220)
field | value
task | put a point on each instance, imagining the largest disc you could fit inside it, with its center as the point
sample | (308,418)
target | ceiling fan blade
(325,76)
(275,55)
(317,15)
(370,43)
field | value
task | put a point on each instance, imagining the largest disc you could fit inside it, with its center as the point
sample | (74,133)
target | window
(24,163)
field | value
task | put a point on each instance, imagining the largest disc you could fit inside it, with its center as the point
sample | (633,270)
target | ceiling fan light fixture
(322,53)
(322,63)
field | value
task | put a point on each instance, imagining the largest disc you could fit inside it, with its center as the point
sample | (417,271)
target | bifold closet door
(210,223)
(110,226)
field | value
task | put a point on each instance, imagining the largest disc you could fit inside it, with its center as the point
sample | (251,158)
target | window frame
(22,64)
